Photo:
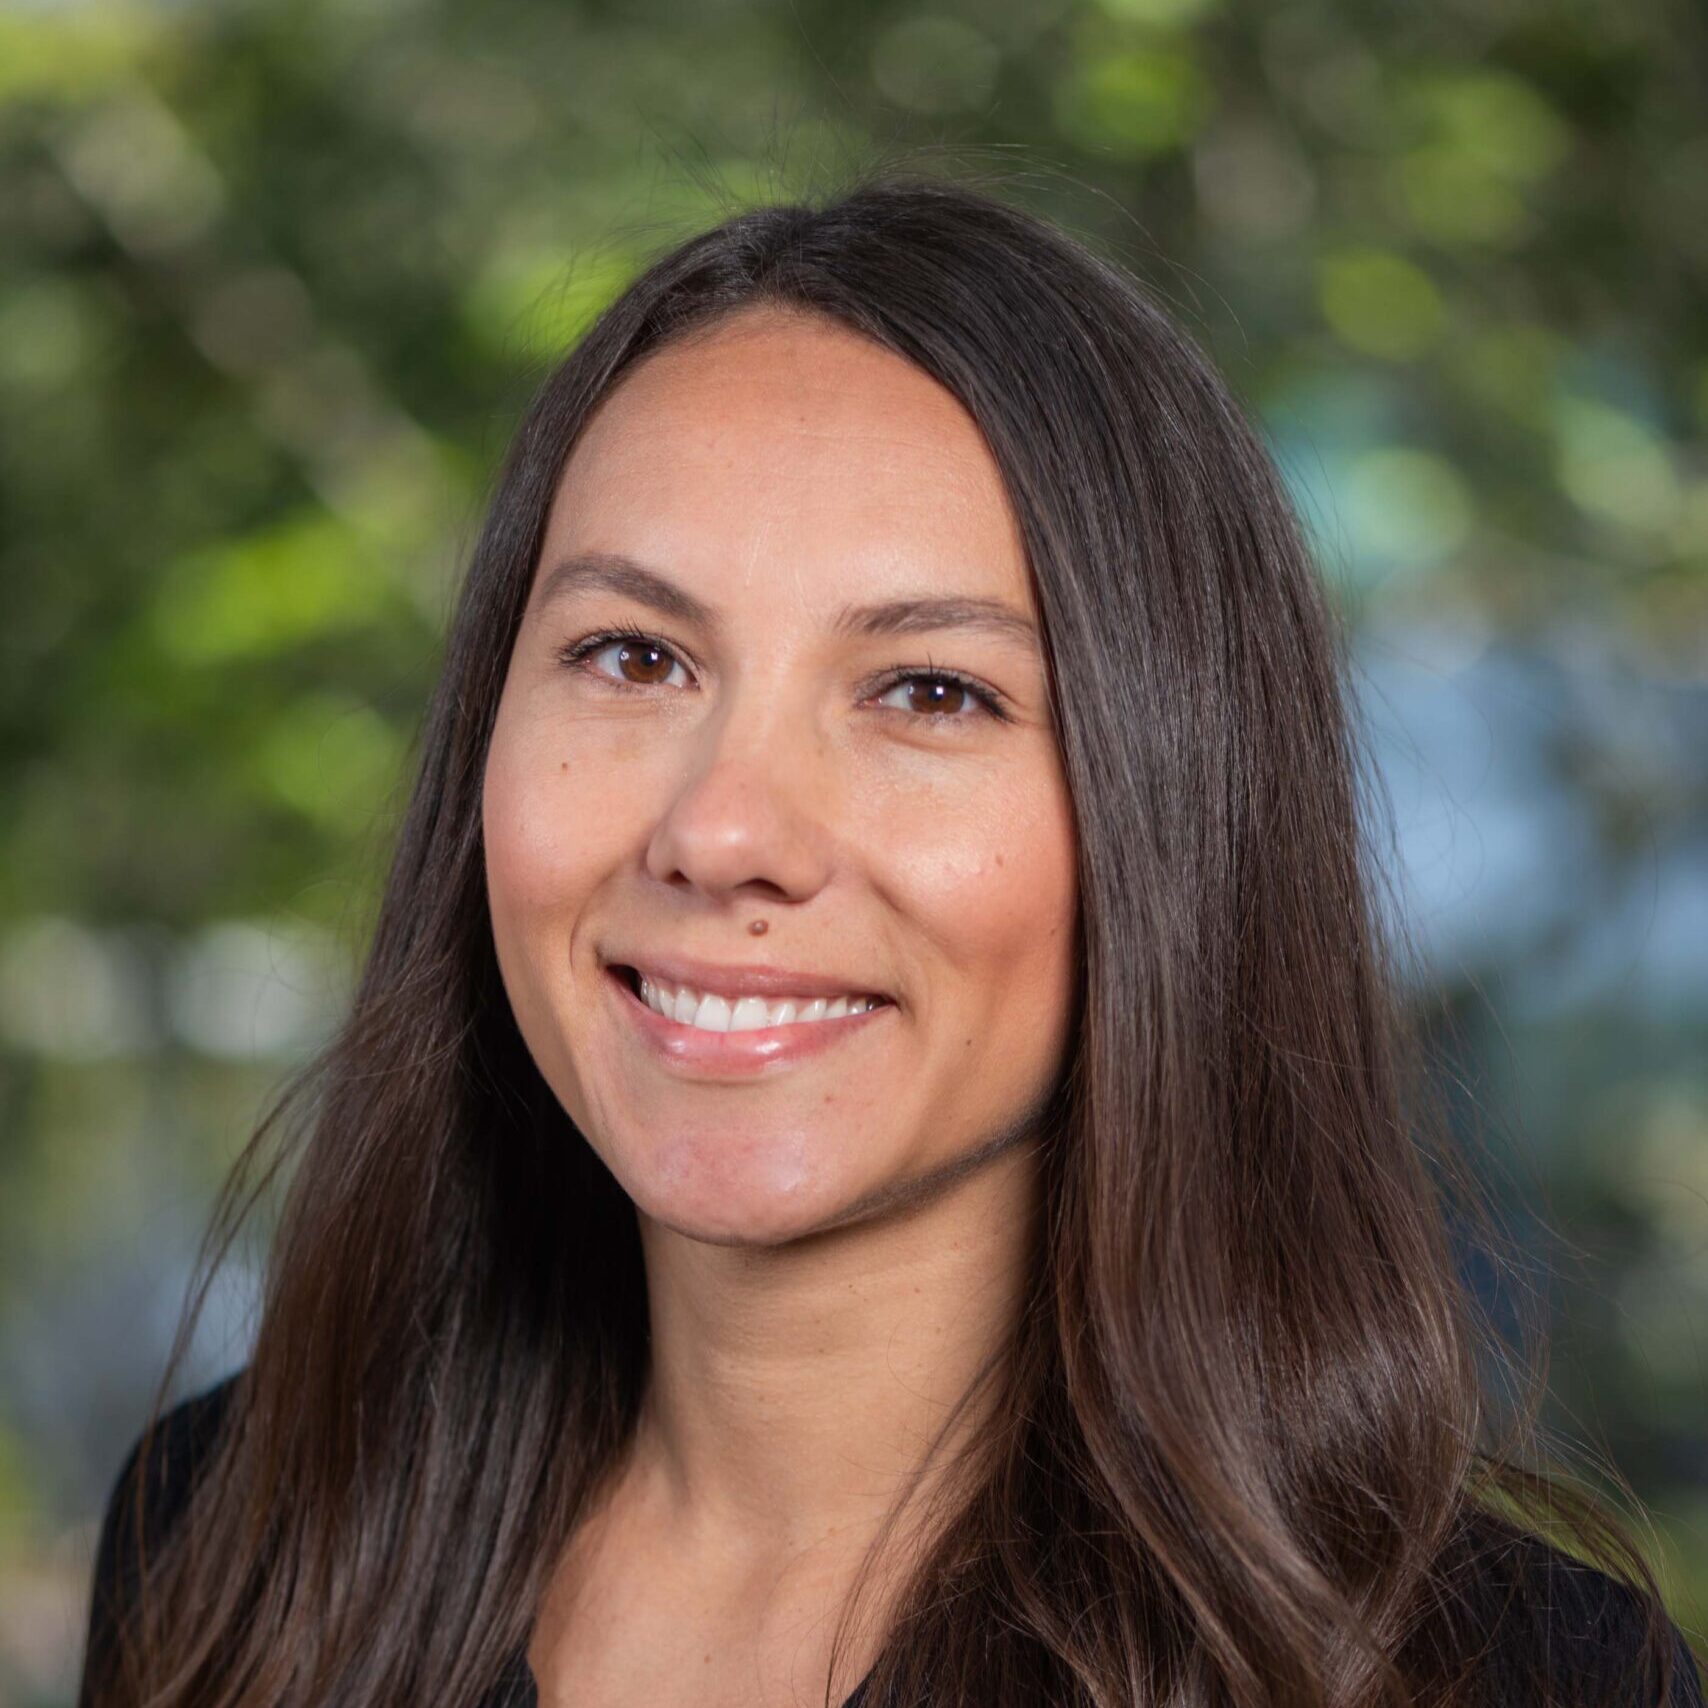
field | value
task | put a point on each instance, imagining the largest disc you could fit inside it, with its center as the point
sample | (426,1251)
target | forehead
(787,440)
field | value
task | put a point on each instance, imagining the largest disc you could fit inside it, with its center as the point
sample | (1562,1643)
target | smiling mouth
(774,1012)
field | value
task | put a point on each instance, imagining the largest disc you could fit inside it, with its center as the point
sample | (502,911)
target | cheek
(996,895)
(547,820)
(531,853)
(997,888)
(548,835)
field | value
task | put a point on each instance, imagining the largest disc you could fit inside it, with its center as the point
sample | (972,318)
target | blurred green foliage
(276,279)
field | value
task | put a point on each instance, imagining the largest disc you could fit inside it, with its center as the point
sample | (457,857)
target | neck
(795,1388)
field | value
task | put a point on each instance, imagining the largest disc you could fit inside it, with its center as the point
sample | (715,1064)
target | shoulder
(160,1468)
(1550,1626)
(178,1448)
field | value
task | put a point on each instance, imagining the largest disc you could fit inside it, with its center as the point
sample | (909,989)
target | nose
(756,811)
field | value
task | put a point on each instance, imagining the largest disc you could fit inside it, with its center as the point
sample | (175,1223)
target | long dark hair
(1243,1444)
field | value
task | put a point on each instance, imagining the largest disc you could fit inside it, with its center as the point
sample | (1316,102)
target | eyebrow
(613,572)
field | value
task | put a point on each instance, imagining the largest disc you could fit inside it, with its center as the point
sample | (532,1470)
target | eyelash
(576,653)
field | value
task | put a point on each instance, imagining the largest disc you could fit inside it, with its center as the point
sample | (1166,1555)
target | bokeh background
(277,279)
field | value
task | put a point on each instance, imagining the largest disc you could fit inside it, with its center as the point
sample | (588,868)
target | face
(762,507)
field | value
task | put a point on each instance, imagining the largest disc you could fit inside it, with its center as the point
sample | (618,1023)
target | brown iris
(628,649)
(934,691)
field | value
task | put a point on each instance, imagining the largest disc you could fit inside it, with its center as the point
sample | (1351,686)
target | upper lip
(724,978)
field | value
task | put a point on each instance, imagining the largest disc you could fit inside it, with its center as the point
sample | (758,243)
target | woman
(875,1155)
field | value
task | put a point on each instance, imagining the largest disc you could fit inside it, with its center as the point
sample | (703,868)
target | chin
(745,1191)
(737,1225)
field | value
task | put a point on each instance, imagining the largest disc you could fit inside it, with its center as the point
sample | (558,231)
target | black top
(1582,1623)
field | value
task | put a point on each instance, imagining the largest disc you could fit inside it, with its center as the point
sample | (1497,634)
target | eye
(642,651)
(948,694)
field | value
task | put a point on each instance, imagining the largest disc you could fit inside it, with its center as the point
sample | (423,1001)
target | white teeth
(711,1013)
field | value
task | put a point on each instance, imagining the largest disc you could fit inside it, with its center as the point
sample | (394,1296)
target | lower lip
(735,1054)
